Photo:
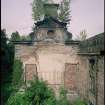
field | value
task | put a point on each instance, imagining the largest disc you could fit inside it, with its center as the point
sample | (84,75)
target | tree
(3,38)
(7,51)
(25,38)
(7,57)
(64,14)
(15,36)
(38,10)
(32,36)
(82,36)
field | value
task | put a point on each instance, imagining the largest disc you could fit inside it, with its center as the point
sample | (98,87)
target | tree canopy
(64,8)
(15,36)
(7,57)
(38,10)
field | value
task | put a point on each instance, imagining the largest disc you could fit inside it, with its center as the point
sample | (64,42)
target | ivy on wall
(92,74)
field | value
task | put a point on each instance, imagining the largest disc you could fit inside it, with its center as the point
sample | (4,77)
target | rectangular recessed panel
(30,71)
(70,76)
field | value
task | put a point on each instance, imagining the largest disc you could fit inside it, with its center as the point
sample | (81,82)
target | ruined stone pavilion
(54,57)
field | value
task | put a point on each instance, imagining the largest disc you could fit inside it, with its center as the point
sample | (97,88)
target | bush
(63,97)
(36,94)
(6,90)
(79,102)
(15,78)
(17,99)
(17,73)
(39,94)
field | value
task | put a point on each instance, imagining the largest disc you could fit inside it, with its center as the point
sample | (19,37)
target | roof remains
(94,44)
(50,22)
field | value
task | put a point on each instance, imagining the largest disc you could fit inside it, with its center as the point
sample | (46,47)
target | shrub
(17,99)
(63,97)
(17,73)
(36,94)
(79,102)
(39,94)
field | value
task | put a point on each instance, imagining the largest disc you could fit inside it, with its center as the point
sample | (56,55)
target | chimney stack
(51,10)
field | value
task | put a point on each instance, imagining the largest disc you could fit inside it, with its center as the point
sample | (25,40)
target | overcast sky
(86,14)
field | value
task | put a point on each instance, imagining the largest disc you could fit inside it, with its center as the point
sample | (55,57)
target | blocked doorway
(70,76)
(30,71)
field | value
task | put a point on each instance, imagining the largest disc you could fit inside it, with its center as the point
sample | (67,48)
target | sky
(16,15)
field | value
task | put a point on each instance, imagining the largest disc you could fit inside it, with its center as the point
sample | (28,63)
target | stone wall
(59,34)
(85,83)
(83,71)
(93,49)
(94,44)
(100,84)
(51,60)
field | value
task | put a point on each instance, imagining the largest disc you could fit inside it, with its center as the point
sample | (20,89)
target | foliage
(11,54)
(25,38)
(36,94)
(79,102)
(17,99)
(7,56)
(17,73)
(13,81)
(82,36)
(63,97)
(32,35)
(64,8)
(38,10)
(10,70)
(3,37)
(6,90)
(92,74)
(39,94)
(4,50)
(15,36)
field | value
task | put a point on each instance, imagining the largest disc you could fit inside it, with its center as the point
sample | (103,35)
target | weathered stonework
(55,58)
(100,81)
(50,60)
(93,49)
